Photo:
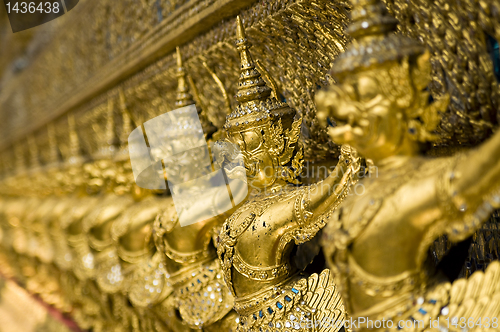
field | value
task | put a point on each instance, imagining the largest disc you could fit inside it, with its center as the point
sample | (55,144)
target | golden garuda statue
(378,241)
(256,243)
(191,283)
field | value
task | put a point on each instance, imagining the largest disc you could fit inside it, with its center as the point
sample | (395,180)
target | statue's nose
(344,112)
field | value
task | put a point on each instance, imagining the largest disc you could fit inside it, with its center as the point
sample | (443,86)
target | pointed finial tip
(179,58)
(240,31)
(184,98)
(121,96)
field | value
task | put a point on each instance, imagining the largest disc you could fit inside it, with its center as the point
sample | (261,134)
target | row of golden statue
(121,262)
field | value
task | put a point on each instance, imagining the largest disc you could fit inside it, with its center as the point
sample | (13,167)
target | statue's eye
(238,140)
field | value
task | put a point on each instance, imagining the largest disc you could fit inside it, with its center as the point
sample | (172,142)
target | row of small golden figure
(86,245)
(241,269)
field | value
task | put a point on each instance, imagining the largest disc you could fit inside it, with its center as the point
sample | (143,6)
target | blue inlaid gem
(261,314)
(269,310)
(295,291)
(254,317)
(279,305)
(432,301)
(422,311)
(494,51)
(288,299)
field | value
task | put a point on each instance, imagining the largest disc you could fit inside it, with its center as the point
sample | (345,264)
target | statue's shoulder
(431,165)
(254,208)
(363,202)
(239,221)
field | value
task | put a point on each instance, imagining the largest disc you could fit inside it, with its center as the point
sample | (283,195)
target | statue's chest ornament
(165,226)
(190,257)
(233,228)
(259,273)
(349,226)
(351,219)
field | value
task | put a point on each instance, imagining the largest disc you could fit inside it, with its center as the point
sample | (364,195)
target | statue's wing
(468,304)
(324,299)
(478,296)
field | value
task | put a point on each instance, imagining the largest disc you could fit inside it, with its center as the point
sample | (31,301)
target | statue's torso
(381,235)
(257,242)
(255,253)
(194,281)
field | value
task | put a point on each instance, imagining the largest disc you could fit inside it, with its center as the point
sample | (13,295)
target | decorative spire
(251,86)
(33,148)
(51,133)
(107,139)
(184,98)
(19,155)
(110,138)
(372,28)
(126,121)
(74,151)
(255,104)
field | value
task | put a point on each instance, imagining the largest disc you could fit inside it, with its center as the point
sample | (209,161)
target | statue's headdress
(375,43)
(374,40)
(258,109)
(185,98)
(184,140)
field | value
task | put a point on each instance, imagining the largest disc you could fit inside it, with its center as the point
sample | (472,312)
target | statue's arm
(468,190)
(476,175)
(328,193)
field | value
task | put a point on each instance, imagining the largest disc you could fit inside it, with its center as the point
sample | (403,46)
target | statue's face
(368,119)
(72,177)
(136,240)
(93,177)
(260,164)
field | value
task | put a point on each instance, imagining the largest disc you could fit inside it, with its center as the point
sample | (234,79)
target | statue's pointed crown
(374,39)
(184,97)
(75,154)
(108,140)
(255,104)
